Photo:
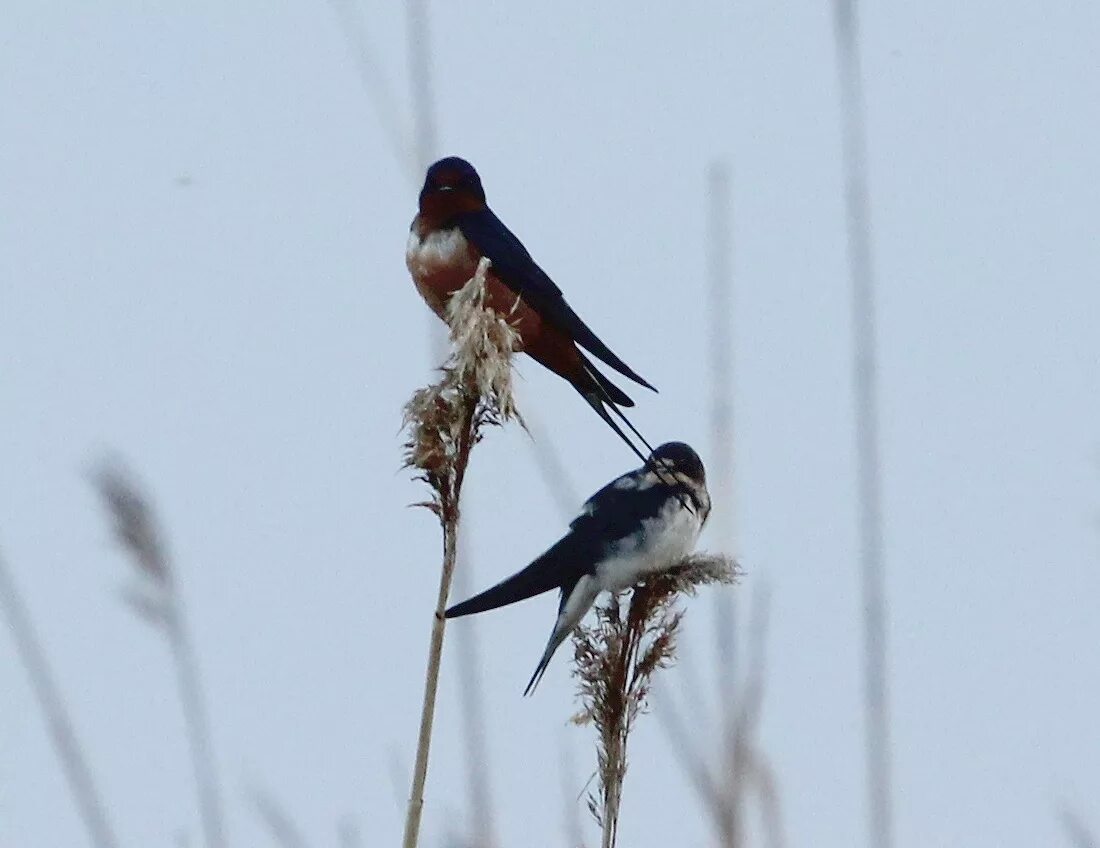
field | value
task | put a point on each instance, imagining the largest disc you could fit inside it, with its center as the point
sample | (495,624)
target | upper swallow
(639,524)
(453,229)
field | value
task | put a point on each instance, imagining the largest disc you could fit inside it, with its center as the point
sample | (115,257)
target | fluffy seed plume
(135,528)
(444,420)
(156,599)
(615,660)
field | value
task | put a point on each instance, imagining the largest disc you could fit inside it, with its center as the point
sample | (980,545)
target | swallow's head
(450,187)
(681,458)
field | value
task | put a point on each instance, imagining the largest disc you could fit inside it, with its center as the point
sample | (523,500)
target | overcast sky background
(202,269)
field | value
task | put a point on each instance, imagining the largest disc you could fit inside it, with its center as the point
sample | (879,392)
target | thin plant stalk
(82,784)
(869,466)
(618,730)
(376,85)
(445,421)
(198,728)
(720,298)
(282,828)
(615,660)
(435,646)
(480,813)
(420,79)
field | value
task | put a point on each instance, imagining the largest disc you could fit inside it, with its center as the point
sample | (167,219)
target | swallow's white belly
(437,250)
(440,263)
(663,542)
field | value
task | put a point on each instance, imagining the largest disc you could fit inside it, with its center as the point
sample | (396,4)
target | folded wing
(514,266)
(565,562)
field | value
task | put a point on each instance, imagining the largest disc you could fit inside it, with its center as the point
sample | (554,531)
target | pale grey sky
(202,268)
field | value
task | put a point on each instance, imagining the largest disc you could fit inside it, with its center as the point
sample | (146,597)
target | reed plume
(615,660)
(444,421)
(156,599)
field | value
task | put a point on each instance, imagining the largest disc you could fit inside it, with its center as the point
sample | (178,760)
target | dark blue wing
(619,508)
(514,266)
(570,557)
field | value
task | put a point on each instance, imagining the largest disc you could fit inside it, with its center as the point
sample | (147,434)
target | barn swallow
(453,229)
(639,524)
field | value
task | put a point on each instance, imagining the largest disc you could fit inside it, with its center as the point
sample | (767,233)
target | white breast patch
(664,541)
(440,249)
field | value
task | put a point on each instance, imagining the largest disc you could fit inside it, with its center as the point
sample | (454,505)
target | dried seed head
(151,597)
(483,343)
(134,525)
(474,390)
(616,657)
(700,569)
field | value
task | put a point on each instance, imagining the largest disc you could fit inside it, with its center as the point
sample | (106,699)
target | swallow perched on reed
(639,524)
(452,230)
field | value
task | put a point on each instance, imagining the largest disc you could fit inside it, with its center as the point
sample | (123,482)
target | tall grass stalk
(876,691)
(74,763)
(615,660)
(157,600)
(444,421)
(481,829)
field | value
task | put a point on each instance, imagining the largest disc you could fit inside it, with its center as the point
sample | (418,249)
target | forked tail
(602,395)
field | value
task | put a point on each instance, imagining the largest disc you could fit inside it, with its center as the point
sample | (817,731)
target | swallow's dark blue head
(679,457)
(451,186)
